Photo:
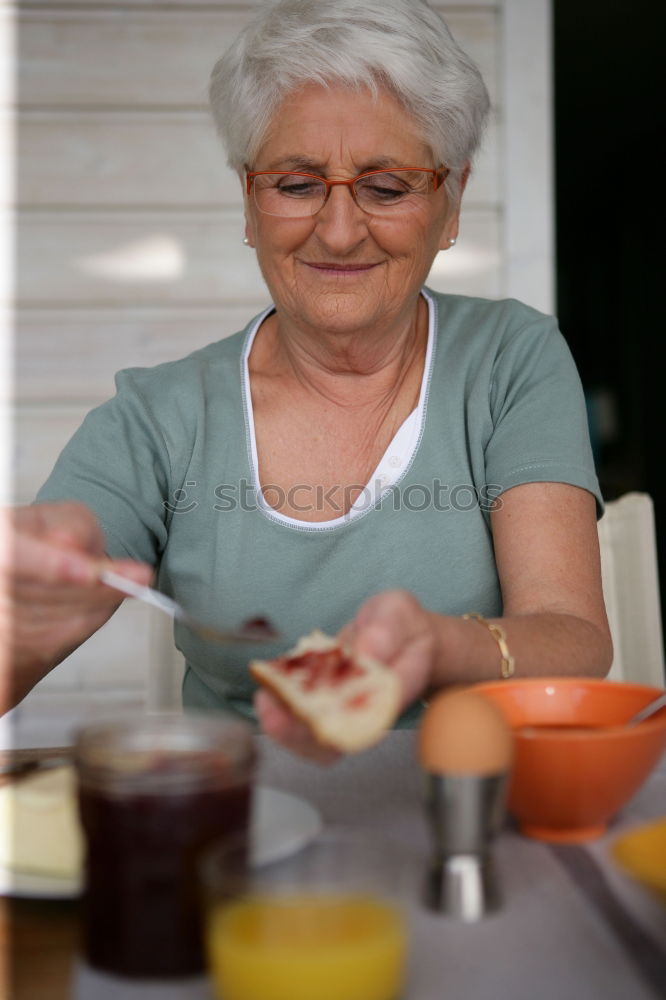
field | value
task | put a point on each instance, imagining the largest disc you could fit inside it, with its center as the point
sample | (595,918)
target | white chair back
(631,589)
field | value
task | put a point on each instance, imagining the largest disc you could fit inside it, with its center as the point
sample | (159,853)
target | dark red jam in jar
(153,794)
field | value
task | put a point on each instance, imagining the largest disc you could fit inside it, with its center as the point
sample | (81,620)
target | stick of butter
(39,824)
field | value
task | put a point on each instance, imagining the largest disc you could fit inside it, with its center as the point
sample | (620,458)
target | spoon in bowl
(253,630)
(646,712)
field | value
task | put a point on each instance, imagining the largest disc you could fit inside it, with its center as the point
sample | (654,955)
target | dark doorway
(610,184)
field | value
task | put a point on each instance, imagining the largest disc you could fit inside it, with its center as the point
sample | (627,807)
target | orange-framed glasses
(392,191)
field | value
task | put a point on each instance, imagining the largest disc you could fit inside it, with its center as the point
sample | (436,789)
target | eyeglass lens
(381,193)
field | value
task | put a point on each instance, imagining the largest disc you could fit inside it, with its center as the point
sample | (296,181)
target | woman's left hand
(391,627)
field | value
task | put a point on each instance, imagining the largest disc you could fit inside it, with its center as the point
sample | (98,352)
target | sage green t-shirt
(167,467)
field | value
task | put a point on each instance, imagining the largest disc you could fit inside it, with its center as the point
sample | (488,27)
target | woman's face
(343,270)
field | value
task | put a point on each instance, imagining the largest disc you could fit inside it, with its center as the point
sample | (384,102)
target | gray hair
(402,46)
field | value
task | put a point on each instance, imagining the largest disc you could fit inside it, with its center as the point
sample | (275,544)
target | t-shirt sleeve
(117,464)
(540,431)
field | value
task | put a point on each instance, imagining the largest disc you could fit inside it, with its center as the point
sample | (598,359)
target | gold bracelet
(508,666)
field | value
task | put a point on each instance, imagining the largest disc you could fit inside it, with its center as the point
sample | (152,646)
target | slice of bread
(347,701)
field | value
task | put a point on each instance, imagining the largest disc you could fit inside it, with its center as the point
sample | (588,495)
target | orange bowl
(567,783)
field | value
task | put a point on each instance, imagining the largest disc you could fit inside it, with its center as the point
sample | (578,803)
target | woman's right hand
(51,599)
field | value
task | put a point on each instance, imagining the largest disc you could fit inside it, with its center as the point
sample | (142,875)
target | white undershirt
(393,462)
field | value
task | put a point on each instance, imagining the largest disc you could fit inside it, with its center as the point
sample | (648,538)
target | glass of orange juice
(326,924)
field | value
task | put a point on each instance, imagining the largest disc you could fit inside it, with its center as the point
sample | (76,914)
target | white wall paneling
(40,433)
(106,58)
(528,152)
(114,659)
(132,258)
(123,158)
(130,225)
(72,354)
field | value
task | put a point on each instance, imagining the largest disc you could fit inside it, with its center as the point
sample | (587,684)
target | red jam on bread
(347,701)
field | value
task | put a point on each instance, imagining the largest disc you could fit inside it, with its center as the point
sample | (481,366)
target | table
(572,924)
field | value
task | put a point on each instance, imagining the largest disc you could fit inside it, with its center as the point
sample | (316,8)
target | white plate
(281,825)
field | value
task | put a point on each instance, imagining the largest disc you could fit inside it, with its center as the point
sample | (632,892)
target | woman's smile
(340,270)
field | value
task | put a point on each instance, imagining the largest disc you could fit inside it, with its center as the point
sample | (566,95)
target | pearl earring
(452,240)
(246,242)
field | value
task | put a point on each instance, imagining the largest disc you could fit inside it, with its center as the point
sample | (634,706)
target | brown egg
(464,733)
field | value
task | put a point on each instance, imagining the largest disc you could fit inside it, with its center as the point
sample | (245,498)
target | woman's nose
(341,224)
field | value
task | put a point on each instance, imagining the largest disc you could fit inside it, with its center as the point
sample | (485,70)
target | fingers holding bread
(290,732)
(345,700)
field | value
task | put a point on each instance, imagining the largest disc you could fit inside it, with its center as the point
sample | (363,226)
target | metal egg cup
(465,813)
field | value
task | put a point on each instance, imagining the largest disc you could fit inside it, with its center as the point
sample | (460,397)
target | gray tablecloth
(572,926)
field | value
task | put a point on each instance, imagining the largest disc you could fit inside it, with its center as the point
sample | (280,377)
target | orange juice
(642,852)
(306,947)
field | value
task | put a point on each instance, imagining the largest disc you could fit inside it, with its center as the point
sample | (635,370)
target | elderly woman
(367,456)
